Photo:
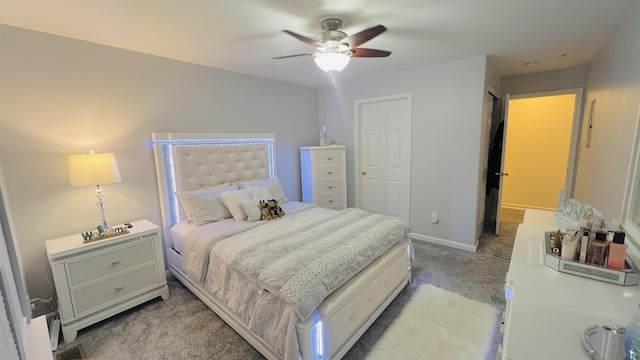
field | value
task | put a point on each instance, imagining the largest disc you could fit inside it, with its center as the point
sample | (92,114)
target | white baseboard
(525,207)
(449,243)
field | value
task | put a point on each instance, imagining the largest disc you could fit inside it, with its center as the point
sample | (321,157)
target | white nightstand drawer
(325,186)
(101,265)
(329,172)
(329,157)
(330,199)
(90,297)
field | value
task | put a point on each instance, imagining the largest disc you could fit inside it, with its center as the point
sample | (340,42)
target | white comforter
(225,263)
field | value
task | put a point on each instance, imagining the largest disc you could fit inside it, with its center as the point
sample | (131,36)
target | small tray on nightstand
(628,277)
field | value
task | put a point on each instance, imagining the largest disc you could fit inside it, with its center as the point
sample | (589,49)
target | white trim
(448,243)
(204,137)
(631,197)
(357,153)
(525,207)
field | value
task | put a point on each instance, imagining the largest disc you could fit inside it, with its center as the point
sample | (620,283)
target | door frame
(572,161)
(357,141)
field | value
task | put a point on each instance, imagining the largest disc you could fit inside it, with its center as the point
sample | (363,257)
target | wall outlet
(434,217)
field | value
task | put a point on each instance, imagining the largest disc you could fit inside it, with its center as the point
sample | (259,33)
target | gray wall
(614,82)
(447,119)
(571,78)
(60,96)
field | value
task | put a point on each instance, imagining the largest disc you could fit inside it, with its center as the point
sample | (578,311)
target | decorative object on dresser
(323,135)
(95,170)
(323,173)
(100,279)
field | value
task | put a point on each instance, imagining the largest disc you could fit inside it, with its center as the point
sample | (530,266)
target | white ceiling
(243,35)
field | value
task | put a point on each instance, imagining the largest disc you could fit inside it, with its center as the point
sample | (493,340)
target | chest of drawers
(323,173)
(99,279)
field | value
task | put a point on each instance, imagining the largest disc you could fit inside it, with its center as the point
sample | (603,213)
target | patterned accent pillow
(270,209)
(272,184)
(233,200)
(203,206)
(258,192)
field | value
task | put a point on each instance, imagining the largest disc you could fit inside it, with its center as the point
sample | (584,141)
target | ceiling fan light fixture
(332,61)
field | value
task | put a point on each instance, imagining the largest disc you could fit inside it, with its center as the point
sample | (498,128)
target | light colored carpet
(438,324)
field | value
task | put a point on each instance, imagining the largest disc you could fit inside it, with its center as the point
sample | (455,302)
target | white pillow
(206,206)
(185,196)
(252,209)
(259,192)
(233,200)
(273,185)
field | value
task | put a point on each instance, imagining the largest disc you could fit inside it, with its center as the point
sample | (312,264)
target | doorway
(540,152)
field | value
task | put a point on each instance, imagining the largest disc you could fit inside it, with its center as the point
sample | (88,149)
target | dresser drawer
(324,186)
(329,157)
(101,265)
(330,199)
(329,172)
(110,290)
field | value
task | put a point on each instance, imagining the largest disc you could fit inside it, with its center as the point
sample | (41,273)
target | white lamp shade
(93,169)
(332,61)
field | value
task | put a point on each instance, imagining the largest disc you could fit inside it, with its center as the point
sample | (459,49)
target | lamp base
(102,207)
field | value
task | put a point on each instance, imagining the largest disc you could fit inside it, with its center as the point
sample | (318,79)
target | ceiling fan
(334,48)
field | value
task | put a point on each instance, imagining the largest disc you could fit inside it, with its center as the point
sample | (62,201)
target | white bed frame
(211,159)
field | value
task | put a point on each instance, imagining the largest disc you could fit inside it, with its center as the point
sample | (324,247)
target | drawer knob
(330,187)
(119,287)
(115,262)
(330,172)
(329,159)
(330,201)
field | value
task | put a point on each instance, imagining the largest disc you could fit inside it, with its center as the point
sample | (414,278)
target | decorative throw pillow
(270,209)
(258,192)
(272,184)
(203,206)
(233,200)
(252,209)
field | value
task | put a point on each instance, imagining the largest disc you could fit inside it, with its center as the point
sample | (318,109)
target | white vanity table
(548,311)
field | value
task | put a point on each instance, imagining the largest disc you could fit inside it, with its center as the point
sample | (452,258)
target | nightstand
(99,279)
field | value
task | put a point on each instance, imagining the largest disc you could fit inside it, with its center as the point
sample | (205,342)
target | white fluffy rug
(438,324)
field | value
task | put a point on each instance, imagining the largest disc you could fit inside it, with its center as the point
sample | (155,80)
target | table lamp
(94,169)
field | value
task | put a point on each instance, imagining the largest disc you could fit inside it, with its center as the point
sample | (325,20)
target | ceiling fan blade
(302,38)
(288,56)
(361,52)
(363,36)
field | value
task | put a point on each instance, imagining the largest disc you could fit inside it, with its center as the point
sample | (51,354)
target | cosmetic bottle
(569,246)
(597,251)
(617,251)
(584,245)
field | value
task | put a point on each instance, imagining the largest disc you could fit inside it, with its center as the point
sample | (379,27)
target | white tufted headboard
(198,166)
(188,161)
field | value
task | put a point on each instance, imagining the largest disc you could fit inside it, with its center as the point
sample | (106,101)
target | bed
(221,263)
